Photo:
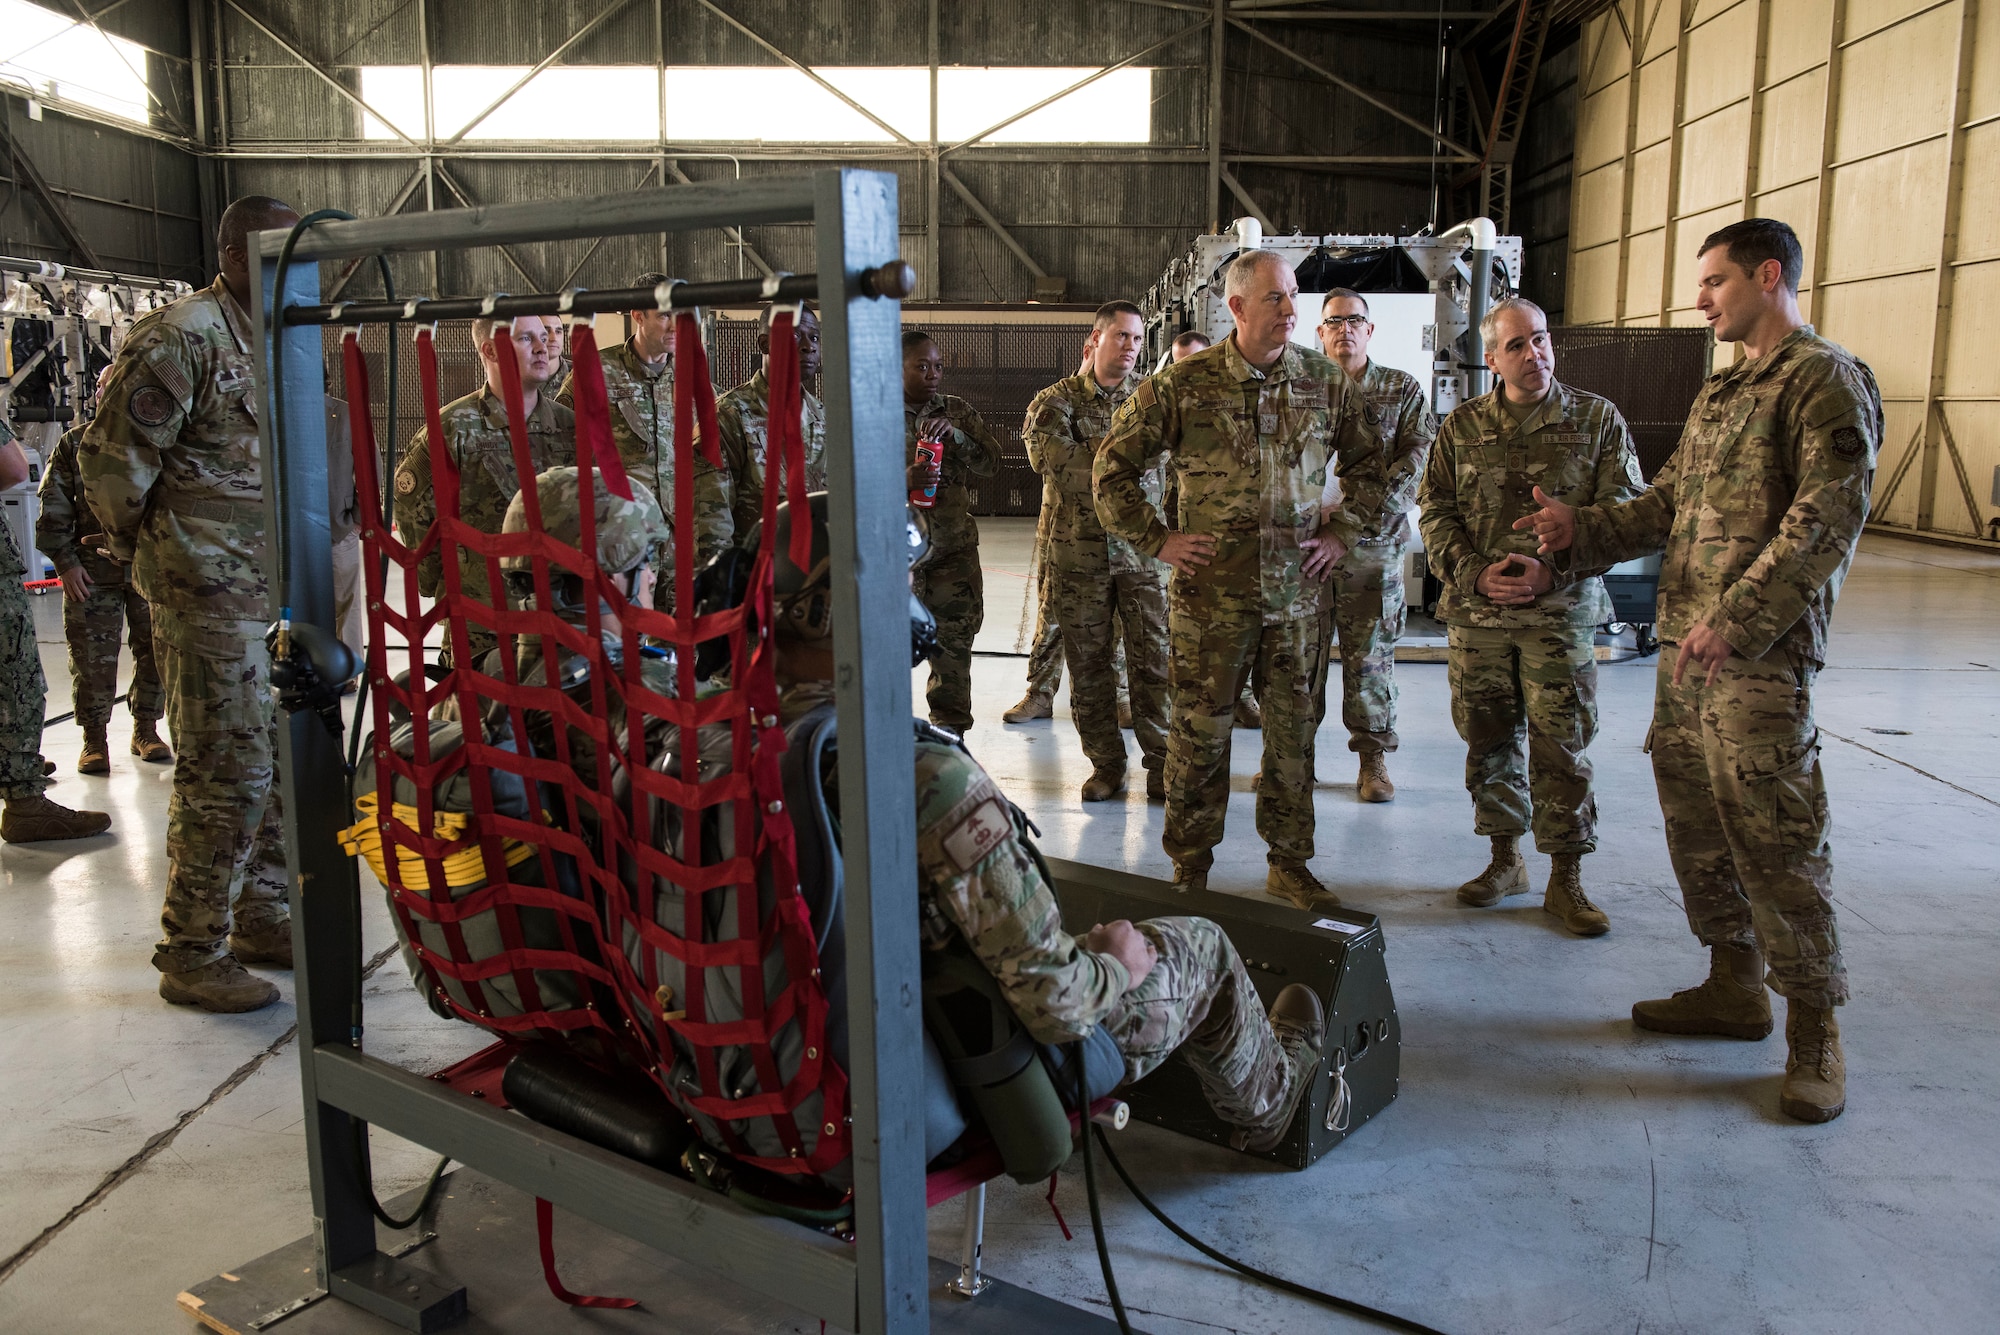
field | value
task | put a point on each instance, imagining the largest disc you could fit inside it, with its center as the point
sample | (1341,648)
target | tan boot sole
(1801,1111)
(182,995)
(1482,898)
(1717,1027)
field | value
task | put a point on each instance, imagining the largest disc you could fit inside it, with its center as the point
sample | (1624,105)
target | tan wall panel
(1642,278)
(1604,41)
(1593,286)
(1790,135)
(1649,188)
(1797,39)
(1985,91)
(1899,426)
(1887,212)
(1598,206)
(1722,56)
(1797,205)
(1971,367)
(1714,157)
(1600,127)
(1688,237)
(1895,86)
(1867,16)
(1656,93)
(1979,197)
(1887,323)
(1707,11)
(1976,428)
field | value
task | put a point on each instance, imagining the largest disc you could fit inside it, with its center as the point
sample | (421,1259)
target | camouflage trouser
(93,628)
(1541,683)
(1364,609)
(1199,1001)
(225,842)
(348,622)
(1737,765)
(1090,610)
(951,585)
(24,695)
(1212,658)
(1045,657)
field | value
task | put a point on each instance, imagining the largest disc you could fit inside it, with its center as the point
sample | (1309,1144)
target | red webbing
(608,943)
(545,1235)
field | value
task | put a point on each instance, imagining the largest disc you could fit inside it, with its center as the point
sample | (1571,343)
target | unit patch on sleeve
(1848,444)
(150,405)
(977,835)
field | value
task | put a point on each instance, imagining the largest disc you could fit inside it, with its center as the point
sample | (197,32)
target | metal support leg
(970,1283)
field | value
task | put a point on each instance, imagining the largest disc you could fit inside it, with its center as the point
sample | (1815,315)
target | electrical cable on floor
(1262,1277)
(1090,1187)
(365,1173)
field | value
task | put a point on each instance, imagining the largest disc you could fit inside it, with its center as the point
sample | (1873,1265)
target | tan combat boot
(1105,782)
(28,820)
(223,986)
(1033,705)
(95,758)
(1124,712)
(1815,1088)
(147,743)
(1298,887)
(1505,875)
(1248,713)
(1187,878)
(1156,785)
(267,945)
(1731,1002)
(1299,1021)
(1565,899)
(1374,782)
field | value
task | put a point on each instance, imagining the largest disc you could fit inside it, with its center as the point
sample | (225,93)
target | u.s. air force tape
(150,405)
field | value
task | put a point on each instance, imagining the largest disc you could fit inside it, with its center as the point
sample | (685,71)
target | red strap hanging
(545,1234)
(593,411)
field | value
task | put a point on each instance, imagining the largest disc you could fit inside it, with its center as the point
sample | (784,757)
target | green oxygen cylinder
(996,1064)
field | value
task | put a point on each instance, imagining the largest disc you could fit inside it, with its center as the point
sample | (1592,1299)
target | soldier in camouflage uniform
(729,503)
(639,381)
(1160,986)
(28,816)
(950,583)
(1099,577)
(1363,607)
(1250,428)
(476,437)
(1523,657)
(98,604)
(1758,512)
(171,467)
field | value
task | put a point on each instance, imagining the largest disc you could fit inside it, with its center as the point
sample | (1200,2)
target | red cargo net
(578,833)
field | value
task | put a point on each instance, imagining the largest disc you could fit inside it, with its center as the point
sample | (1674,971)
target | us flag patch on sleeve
(977,834)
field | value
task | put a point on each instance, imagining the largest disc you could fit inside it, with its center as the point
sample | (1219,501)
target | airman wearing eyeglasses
(475,433)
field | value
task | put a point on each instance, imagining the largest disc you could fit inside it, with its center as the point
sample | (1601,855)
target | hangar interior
(1531,1161)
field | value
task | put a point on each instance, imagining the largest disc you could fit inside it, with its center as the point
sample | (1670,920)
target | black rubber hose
(365,1172)
(1090,1187)
(1261,1276)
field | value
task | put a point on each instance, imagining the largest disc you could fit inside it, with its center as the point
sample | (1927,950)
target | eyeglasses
(1351,321)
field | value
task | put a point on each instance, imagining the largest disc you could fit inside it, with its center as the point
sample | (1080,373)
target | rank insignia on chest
(228,382)
(1267,424)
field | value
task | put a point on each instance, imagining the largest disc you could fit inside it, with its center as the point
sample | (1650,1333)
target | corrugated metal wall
(1871,126)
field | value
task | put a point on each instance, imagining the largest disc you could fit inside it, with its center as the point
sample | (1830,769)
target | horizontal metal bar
(814,1272)
(582,301)
(50,270)
(678,208)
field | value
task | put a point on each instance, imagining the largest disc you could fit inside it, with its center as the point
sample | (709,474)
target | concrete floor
(1546,1167)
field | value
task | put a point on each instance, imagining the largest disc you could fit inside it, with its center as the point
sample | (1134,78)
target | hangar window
(59,60)
(743,104)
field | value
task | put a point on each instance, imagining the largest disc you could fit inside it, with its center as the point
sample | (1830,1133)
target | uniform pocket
(1784,793)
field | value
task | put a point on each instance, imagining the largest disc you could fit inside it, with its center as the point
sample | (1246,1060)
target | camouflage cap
(627,531)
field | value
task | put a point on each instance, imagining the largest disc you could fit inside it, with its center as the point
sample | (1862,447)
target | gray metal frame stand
(880,1282)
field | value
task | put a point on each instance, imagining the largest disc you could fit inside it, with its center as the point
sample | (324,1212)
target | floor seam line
(1907,765)
(158,1143)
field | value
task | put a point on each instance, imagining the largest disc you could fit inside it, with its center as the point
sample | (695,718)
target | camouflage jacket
(973,451)
(730,503)
(1761,506)
(65,521)
(1065,425)
(12,561)
(172,468)
(1378,485)
(475,434)
(1482,475)
(642,416)
(1247,459)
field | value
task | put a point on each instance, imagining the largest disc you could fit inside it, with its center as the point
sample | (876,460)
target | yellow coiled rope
(467,867)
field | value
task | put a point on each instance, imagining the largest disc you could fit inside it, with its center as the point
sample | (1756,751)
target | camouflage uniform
(1758,511)
(475,435)
(1364,606)
(93,626)
(642,424)
(171,466)
(950,582)
(1524,671)
(1099,577)
(24,694)
(1248,455)
(1045,655)
(729,503)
